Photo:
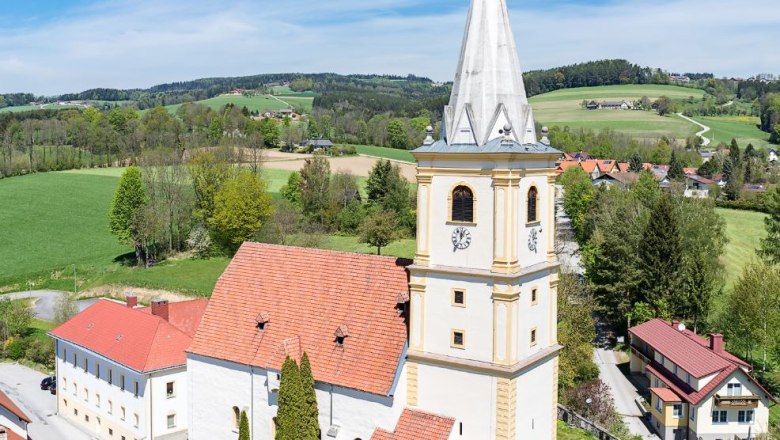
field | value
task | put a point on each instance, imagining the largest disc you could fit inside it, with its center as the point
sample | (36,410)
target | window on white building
(658,403)
(745,416)
(135,420)
(171,421)
(458,339)
(97,400)
(692,412)
(735,389)
(122,382)
(534,297)
(677,410)
(86,394)
(75,359)
(533,337)
(110,377)
(122,413)
(719,417)
(688,378)
(75,389)
(135,389)
(110,407)
(97,370)
(169,390)
(236,417)
(86,364)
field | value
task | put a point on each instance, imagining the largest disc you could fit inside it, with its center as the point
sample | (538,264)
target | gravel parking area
(22,385)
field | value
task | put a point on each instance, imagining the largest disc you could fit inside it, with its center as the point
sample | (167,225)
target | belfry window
(533,202)
(462,205)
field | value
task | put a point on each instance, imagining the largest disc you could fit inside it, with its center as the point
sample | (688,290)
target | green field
(254,103)
(744,229)
(29,108)
(565,432)
(385,153)
(285,91)
(742,128)
(563,108)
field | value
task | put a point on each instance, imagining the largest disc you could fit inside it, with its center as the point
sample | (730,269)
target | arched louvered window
(236,417)
(533,205)
(462,204)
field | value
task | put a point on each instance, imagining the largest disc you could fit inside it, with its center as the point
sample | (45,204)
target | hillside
(563,108)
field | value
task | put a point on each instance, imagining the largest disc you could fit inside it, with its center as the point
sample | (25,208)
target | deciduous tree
(379,230)
(241,207)
(130,197)
(315,183)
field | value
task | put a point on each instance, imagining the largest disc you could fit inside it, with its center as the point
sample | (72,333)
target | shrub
(199,242)
(40,352)
(14,349)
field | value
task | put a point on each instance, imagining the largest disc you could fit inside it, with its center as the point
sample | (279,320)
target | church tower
(483,320)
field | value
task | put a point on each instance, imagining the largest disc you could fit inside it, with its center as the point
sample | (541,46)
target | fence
(571,418)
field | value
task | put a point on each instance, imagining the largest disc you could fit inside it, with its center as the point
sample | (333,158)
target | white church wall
(534,316)
(442,317)
(527,256)
(468,397)
(535,402)
(479,254)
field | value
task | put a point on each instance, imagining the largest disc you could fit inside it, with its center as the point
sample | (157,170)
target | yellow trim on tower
(506,409)
(411,383)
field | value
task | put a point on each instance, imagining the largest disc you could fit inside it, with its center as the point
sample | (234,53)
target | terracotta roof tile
(666,395)
(8,404)
(418,425)
(680,349)
(624,167)
(308,294)
(133,337)
(588,165)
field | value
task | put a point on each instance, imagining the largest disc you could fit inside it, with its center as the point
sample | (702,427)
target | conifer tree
(291,403)
(734,154)
(311,411)
(770,246)
(243,427)
(660,257)
(676,171)
(635,163)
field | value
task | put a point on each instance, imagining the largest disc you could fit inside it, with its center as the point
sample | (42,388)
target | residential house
(607,166)
(616,105)
(319,144)
(620,180)
(121,370)
(697,187)
(706,155)
(592,105)
(624,167)
(591,167)
(698,390)
(13,421)
(581,155)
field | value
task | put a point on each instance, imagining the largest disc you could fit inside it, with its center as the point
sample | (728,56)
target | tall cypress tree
(635,163)
(243,427)
(676,171)
(291,403)
(311,412)
(660,258)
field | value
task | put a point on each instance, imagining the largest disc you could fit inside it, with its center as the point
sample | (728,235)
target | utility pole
(75,284)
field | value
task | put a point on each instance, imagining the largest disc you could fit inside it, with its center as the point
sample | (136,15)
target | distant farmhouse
(679,78)
(609,105)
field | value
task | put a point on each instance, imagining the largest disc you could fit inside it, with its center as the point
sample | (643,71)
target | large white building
(461,343)
(121,370)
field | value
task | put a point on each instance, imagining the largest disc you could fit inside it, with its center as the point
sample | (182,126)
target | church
(461,342)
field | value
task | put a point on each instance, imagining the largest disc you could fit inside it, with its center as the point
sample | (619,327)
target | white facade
(219,388)
(113,401)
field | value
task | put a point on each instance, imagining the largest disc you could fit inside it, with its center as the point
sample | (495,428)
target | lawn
(385,153)
(744,230)
(254,103)
(742,128)
(563,108)
(565,432)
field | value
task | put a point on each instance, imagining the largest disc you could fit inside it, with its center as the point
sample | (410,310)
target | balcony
(737,402)
(647,359)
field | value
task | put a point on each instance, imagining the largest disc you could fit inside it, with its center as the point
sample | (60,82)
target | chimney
(716,343)
(132,301)
(675,324)
(160,308)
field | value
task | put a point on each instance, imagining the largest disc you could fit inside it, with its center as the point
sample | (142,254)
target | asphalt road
(22,385)
(46,301)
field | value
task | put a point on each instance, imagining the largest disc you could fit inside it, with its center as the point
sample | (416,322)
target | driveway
(46,301)
(623,391)
(22,385)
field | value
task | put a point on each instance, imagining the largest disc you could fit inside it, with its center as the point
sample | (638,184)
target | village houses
(13,421)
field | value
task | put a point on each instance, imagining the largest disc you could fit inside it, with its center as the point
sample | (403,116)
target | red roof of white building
(135,338)
(8,404)
(666,395)
(418,425)
(303,296)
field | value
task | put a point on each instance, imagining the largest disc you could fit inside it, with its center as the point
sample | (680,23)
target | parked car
(47,382)
(53,387)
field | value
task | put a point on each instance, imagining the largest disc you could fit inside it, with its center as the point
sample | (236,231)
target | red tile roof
(418,425)
(8,404)
(686,391)
(666,395)
(566,164)
(624,167)
(307,294)
(133,337)
(684,351)
(589,165)
(606,166)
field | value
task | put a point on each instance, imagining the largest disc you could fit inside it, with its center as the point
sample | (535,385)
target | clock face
(533,241)
(461,238)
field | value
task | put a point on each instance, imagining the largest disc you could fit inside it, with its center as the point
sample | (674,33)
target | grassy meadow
(744,229)
(254,103)
(563,108)
(385,153)
(742,128)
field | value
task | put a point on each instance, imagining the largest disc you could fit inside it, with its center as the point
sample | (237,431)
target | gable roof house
(116,362)
(621,180)
(344,310)
(697,388)
(13,421)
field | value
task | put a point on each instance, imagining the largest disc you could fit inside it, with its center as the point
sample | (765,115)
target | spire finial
(428,136)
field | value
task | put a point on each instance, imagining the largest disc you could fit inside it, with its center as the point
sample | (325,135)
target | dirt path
(705,129)
(357,165)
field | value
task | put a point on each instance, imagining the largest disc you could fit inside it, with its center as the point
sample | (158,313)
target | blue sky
(55,46)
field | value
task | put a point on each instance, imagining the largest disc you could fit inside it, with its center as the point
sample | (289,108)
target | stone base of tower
(486,405)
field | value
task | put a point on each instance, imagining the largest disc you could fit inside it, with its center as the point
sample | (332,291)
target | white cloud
(145,42)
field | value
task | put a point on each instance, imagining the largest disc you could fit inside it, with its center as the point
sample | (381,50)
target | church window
(458,339)
(533,337)
(533,205)
(459,297)
(462,204)
(236,417)
(534,296)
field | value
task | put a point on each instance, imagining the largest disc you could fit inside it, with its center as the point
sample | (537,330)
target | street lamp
(588,401)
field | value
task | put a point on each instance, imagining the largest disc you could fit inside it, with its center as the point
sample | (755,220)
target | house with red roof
(698,390)
(122,369)
(13,421)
